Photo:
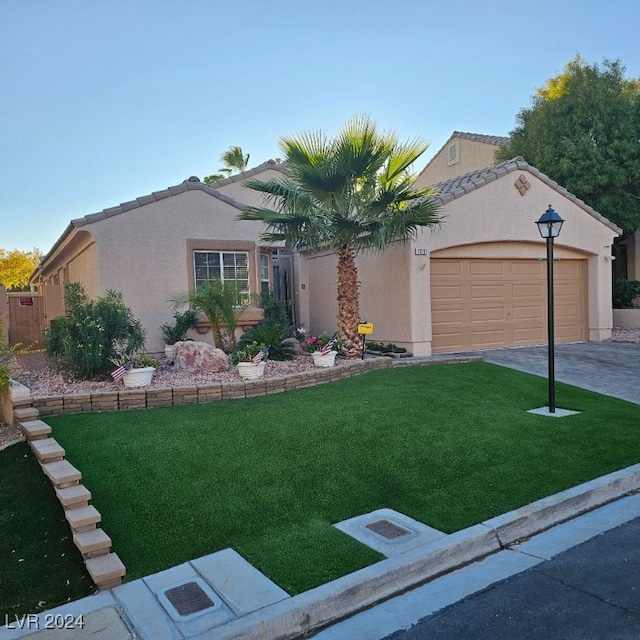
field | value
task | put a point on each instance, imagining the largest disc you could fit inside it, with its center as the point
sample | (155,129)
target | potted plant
(177,332)
(250,360)
(323,349)
(135,368)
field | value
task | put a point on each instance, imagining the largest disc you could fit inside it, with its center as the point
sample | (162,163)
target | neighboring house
(460,154)
(162,244)
(466,152)
(478,281)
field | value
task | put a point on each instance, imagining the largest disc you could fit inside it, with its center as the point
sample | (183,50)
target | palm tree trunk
(348,302)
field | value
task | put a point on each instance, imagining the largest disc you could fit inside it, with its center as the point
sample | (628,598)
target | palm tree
(234,160)
(350,194)
(219,301)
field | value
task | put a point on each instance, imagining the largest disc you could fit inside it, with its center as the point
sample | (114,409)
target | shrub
(385,348)
(248,352)
(624,293)
(275,313)
(92,332)
(6,357)
(275,336)
(183,322)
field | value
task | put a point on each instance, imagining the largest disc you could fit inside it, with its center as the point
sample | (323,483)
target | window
(264,274)
(228,266)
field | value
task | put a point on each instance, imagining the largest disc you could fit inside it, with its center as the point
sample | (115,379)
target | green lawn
(449,445)
(40,567)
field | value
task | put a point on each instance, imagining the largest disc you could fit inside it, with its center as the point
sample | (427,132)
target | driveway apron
(610,368)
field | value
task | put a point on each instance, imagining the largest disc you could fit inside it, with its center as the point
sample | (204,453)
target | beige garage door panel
(483,304)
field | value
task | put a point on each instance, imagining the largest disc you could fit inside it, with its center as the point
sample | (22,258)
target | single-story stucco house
(164,243)
(477,281)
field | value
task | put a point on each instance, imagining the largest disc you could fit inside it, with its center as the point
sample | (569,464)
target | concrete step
(47,449)
(35,429)
(74,497)
(25,413)
(106,571)
(83,518)
(92,543)
(61,473)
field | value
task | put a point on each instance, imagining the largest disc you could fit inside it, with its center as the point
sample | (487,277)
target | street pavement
(590,592)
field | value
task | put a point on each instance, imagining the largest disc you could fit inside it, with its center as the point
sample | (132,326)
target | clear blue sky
(102,101)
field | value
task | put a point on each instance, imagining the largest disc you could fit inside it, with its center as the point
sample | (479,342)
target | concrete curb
(346,596)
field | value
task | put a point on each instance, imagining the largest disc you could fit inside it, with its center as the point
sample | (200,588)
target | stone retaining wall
(197,394)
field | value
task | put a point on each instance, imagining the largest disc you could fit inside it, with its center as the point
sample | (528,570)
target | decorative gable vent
(454,153)
(522,185)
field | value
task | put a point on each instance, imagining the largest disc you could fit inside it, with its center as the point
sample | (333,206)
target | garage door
(484,304)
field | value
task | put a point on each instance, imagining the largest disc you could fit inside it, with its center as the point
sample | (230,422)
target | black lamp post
(549,226)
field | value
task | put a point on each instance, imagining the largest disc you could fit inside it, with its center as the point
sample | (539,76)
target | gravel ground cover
(32,371)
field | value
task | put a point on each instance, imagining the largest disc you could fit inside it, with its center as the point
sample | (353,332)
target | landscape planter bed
(125,399)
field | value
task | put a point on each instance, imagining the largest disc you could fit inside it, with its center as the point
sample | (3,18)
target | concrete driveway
(611,368)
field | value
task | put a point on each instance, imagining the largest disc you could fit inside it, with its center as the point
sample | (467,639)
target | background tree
(234,160)
(350,194)
(16,267)
(583,130)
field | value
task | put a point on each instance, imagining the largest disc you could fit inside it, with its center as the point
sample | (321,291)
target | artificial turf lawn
(449,445)
(40,567)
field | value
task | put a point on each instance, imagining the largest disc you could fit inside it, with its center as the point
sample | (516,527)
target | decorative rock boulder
(199,357)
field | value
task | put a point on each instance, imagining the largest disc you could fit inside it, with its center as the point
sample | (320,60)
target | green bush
(624,292)
(6,356)
(173,333)
(275,313)
(275,336)
(92,333)
(385,348)
(247,353)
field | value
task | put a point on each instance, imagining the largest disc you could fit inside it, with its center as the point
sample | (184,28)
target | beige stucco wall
(242,194)
(494,221)
(472,155)
(145,252)
(383,278)
(83,267)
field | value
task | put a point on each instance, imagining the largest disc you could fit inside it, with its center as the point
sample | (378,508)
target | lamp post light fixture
(549,226)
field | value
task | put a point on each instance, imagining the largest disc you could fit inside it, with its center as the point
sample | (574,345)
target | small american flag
(116,374)
(329,346)
(257,359)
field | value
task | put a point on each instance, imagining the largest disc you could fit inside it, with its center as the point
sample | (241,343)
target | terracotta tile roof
(479,137)
(449,190)
(191,184)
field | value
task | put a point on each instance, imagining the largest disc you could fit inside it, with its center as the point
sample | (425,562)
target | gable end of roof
(450,190)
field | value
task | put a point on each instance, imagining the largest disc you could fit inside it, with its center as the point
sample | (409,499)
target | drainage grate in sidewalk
(388,530)
(188,598)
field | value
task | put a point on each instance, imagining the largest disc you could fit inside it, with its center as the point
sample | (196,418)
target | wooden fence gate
(31,312)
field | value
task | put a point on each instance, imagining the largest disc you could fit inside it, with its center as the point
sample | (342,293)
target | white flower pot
(328,360)
(140,377)
(168,351)
(250,371)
